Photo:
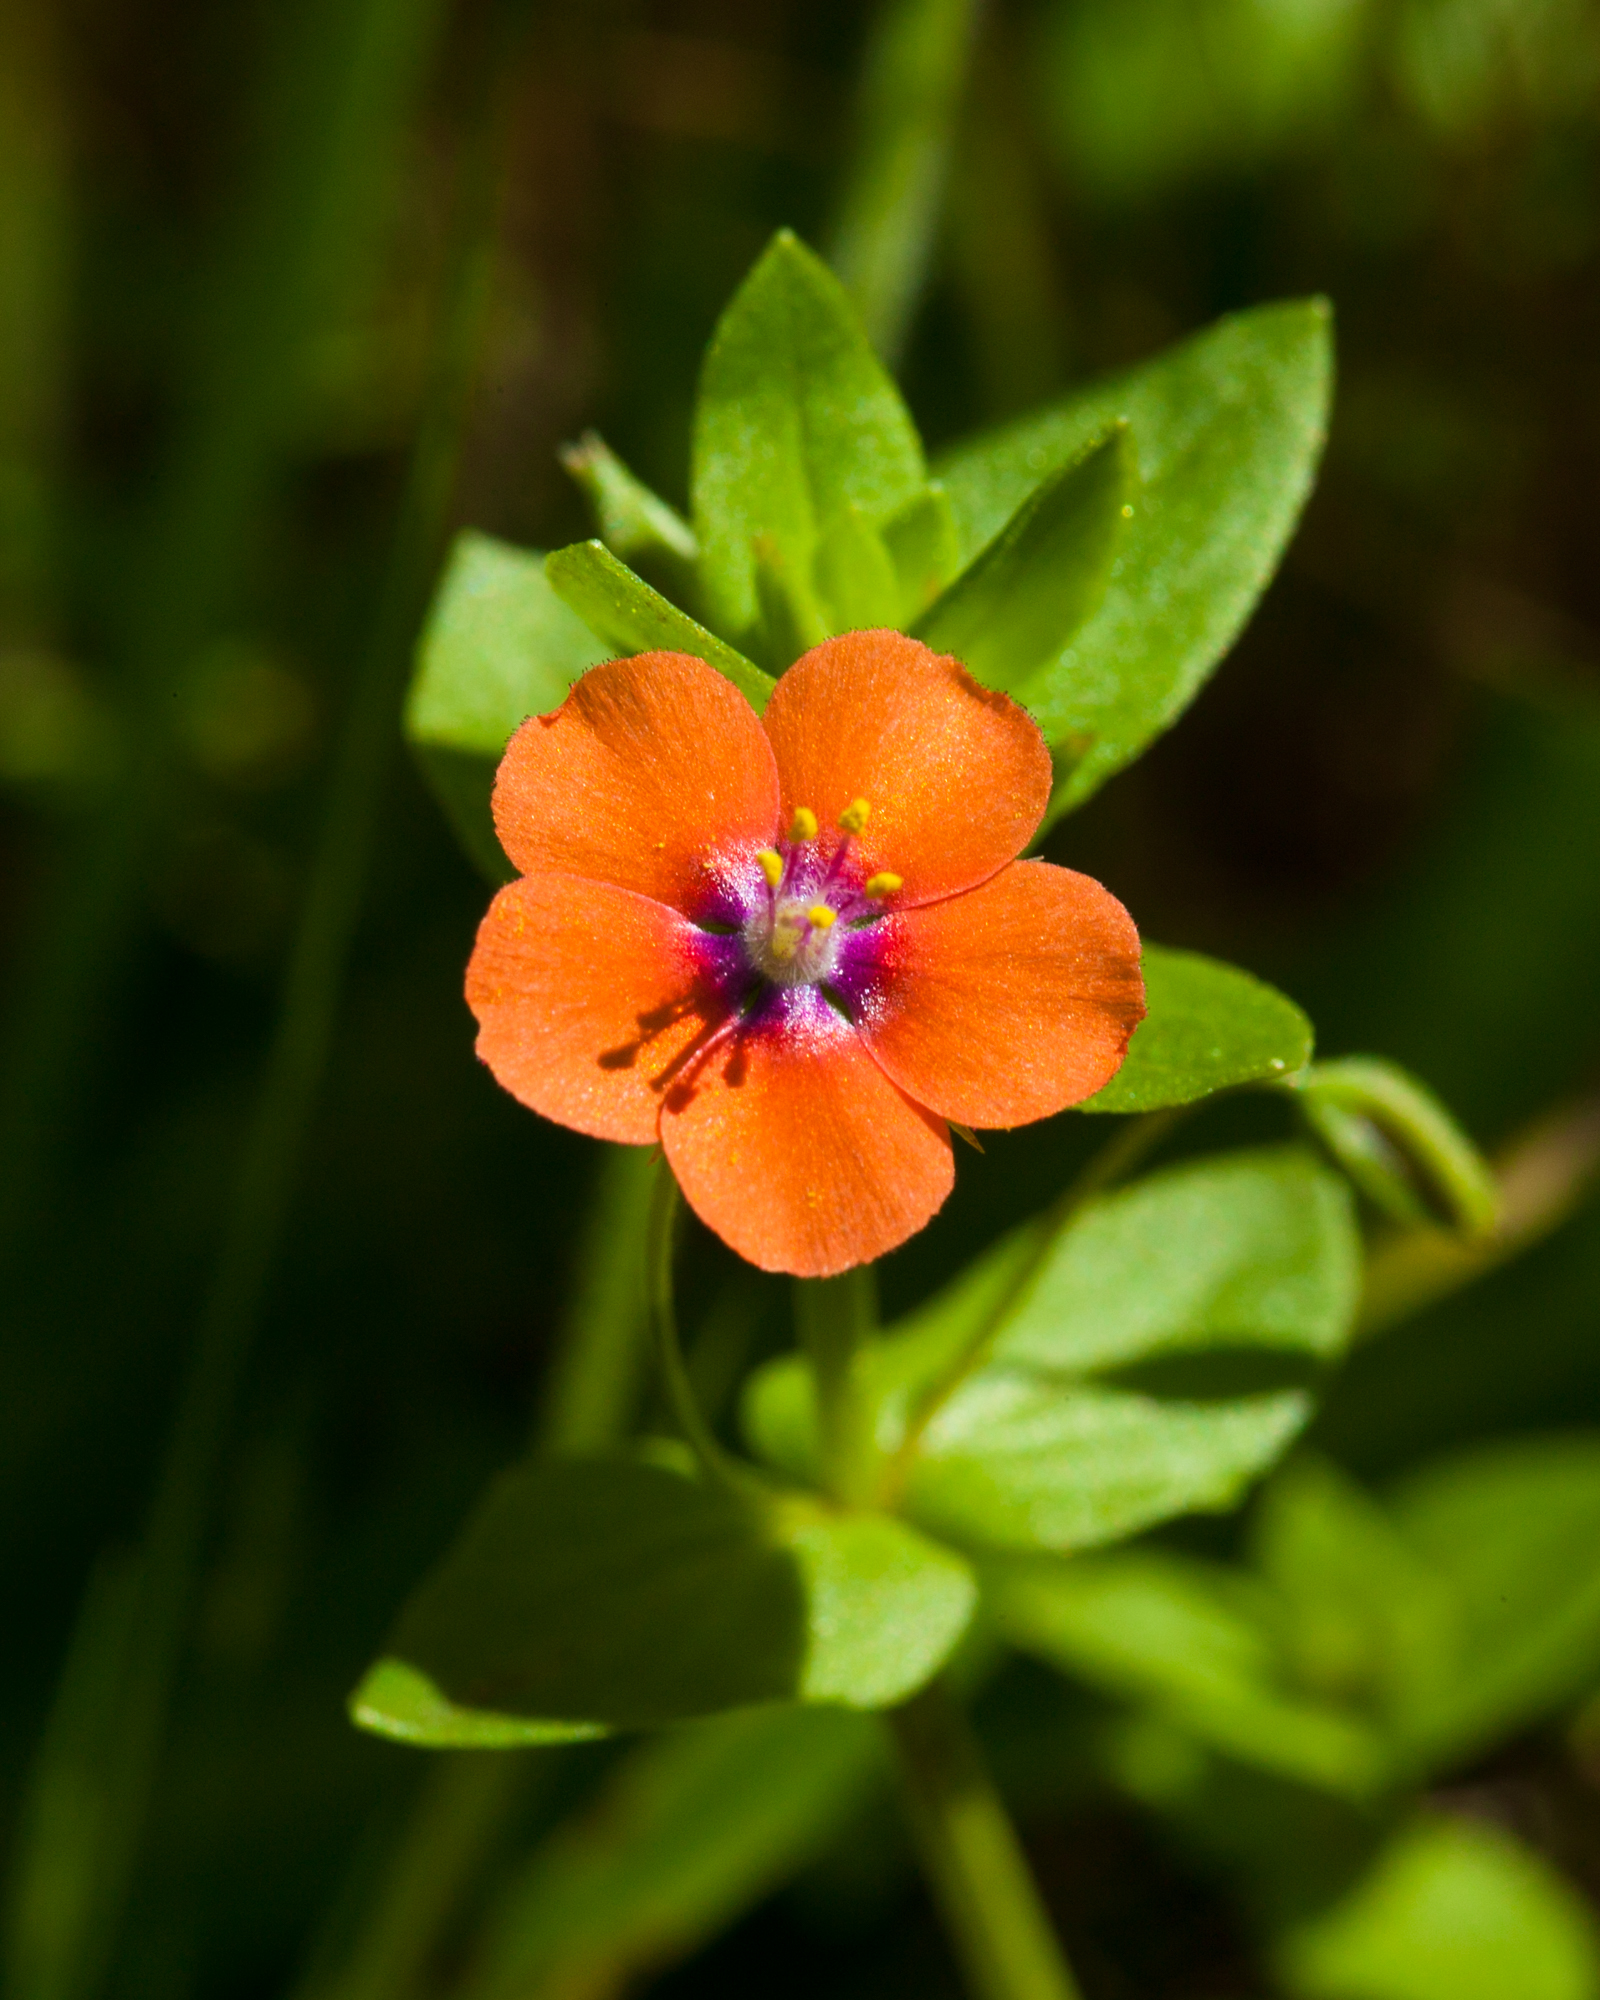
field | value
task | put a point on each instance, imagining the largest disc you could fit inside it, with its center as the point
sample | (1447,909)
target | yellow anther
(884,884)
(804,824)
(821,916)
(771,865)
(855,815)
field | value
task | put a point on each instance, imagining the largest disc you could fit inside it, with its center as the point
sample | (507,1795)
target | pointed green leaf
(1196,1644)
(1208,1027)
(922,544)
(499,645)
(1360,1613)
(1246,1250)
(791,619)
(1453,1907)
(587,1594)
(1083,1380)
(856,577)
(1022,597)
(1017,1460)
(633,522)
(1228,427)
(402,1701)
(630,617)
(796,421)
(1511,1531)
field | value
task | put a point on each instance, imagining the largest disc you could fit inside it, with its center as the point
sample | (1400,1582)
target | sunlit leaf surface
(1228,428)
(604,1594)
(1209,1027)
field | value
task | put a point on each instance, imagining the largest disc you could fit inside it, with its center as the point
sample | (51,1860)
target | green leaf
(1019,1461)
(591,1595)
(688,1833)
(792,617)
(1361,1616)
(399,1700)
(499,645)
(1229,427)
(630,617)
(921,540)
(1453,1910)
(1208,1027)
(856,576)
(1245,1250)
(796,422)
(1021,598)
(631,519)
(1511,1533)
(1193,1642)
(1084,1380)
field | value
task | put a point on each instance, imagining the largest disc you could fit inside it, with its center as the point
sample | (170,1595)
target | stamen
(772,865)
(855,815)
(883,884)
(821,916)
(804,824)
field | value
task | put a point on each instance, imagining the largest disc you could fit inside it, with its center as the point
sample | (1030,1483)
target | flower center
(795,935)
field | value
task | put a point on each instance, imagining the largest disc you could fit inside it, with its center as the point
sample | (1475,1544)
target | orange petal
(587,996)
(654,774)
(957,776)
(792,1144)
(1006,1004)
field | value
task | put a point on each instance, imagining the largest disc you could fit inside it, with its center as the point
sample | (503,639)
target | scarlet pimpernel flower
(791,947)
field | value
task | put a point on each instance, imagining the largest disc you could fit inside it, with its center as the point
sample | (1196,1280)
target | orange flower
(791,947)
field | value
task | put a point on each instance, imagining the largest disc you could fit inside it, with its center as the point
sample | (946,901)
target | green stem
(1114,1162)
(716,1463)
(1541,1177)
(972,1858)
(593,1385)
(833,1317)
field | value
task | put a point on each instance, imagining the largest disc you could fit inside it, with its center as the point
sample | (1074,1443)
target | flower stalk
(665,1207)
(972,1858)
(834,1317)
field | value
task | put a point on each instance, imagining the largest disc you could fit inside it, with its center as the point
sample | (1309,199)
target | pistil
(793,941)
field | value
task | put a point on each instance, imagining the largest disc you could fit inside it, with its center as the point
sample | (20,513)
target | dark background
(219,266)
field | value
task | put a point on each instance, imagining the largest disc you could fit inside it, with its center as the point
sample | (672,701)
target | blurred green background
(285,293)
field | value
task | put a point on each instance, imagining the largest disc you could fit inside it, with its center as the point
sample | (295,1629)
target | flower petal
(654,774)
(793,1145)
(587,996)
(1006,1004)
(957,776)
